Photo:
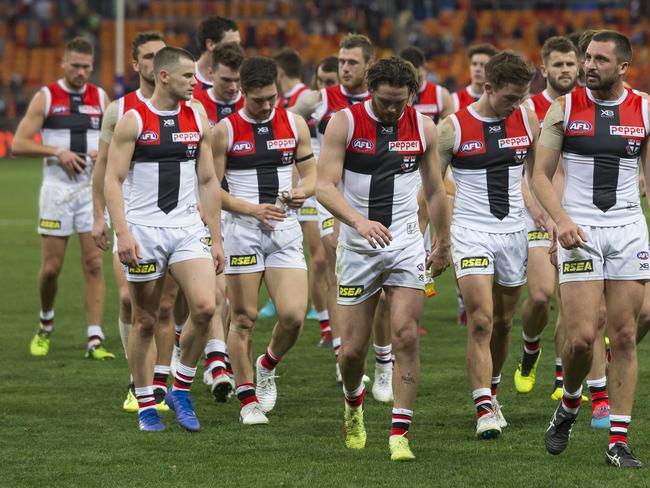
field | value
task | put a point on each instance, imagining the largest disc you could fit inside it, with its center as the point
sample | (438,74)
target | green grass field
(62,424)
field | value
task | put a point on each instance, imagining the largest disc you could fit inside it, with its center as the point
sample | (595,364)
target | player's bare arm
(447,103)
(306,104)
(330,171)
(119,154)
(210,195)
(645,158)
(31,124)
(266,213)
(547,157)
(436,200)
(536,211)
(305,165)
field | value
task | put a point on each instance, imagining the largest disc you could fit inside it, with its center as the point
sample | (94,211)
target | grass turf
(62,425)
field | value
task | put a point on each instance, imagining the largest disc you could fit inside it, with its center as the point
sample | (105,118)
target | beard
(562,89)
(602,82)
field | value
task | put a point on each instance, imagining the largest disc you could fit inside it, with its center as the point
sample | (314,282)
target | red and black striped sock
(618,429)
(269,361)
(325,327)
(483,402)
(559,373)
(598,392)
(571,401)
(401,421)
(178,328)
(354,398)
(215,360)
(246,394)
(531,353)
(145,398)
(494,384)
(183,378)
(160,376)
(46,321)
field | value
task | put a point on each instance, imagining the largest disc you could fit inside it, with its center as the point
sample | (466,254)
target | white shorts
(325,221)
(536,237)
(160,247)
(309,211)
(359,275)
(503,255)
(610,253)
(251,249)
(64,211)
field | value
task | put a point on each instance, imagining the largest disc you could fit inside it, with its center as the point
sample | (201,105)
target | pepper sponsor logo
(89,110)
(142,269)
(404,146)
(49,224)
(243,260)
(280,144)
(474,262)
(581,266)
(626,131)
(350,291)
(425,108)
(538,235)
(186,137)
(521,141)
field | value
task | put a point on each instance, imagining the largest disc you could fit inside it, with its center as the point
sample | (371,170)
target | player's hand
(295,198)
(374,232)
(128,250)
(439,258)
(92,155)
(641,183)
(539,216)
(71,162)
(552,235)
(268,215)
(100,233)
(218,257)
(570,235)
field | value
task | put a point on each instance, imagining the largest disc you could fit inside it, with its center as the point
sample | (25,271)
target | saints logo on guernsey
(602,143)
(288,100)
(380,174)
(72,120)
(429,100)
(464,98)
(487,160)
(540,103)
(259,160)
(334,98)
(162,178)
(218,109)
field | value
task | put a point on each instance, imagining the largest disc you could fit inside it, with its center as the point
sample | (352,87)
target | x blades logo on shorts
(350,291)
(580,266)
(243,260)
(474,262)
(143,268)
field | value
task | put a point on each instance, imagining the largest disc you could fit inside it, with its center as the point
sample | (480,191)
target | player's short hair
(79,45)
(168,57)
(257,72)
(584,39)
(413,55)
(559,44)
(623,46)
(289,60)
(329,64)
(395,72)
(487,49)
(508,67)
(229,54)
(214,29)
(143,38)
(350,41)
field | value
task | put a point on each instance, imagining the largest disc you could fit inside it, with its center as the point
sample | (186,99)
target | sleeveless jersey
(487,160)
(202,83)
(429,100)
(288,100)
(464,97)
(129,101)
(218,109)
(380,175)
(540,104)
(259,160)
(600,152)
(162,178)
(333,99)
(72,121)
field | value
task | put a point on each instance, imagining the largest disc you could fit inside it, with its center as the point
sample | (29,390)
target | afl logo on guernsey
(471,146)
(148,136)
(280,144)
(404,146)
(521,141)
(626,131)
(59,109)
(242,146)
(579,126)
(362,145)
(186,137)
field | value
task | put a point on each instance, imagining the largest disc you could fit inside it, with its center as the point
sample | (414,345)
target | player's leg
(216,353)
(91,265)
(534,315)
(318,285)
(382,386)
(643,323)
(164,341)
(330,240)
(597,377)
(52,256)
(181,313)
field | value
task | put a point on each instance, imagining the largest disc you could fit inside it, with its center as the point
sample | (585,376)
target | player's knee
(292,319)
(624,342)
(51,269)
(581,344)
(501,326)
(481,325)
(242,319)
(144,325)
(318,263)
(92,265)
(166,309)
(405,336)
(352,353)
(540,298)
(125,301)
(202,311)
